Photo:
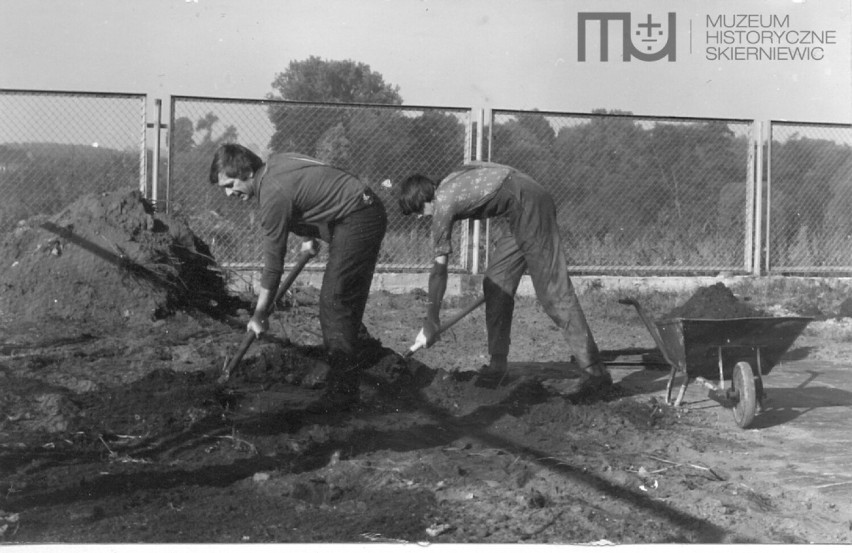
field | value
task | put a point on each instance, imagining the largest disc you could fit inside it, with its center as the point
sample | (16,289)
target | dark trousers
(352,255)
(534,245)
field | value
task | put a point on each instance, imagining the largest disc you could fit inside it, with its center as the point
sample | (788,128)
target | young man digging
(481,190)
(299,194)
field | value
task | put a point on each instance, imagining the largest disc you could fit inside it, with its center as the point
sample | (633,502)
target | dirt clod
(713,302)
(107,260)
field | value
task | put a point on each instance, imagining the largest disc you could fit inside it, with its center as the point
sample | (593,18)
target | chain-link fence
(69,162)
(58,146)
(636,194)
(809,199)
(379,144)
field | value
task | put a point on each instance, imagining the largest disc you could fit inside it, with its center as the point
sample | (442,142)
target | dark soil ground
(114,429)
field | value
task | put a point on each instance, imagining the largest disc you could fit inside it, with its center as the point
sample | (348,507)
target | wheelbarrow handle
(652,328)
(446,326)
(250,336)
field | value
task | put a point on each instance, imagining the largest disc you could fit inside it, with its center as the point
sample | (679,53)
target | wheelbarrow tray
(696,345)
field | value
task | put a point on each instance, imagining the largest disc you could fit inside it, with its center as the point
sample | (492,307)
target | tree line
(628,192)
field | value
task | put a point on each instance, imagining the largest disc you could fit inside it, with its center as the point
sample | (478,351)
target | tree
(600,165)
(347,81)
(192,157)
(807,185)
(182,135)
(693,162)
(538,126)
(208,143)
(526,143)
(301,128)
(436,146)
(333,147)
(304,128)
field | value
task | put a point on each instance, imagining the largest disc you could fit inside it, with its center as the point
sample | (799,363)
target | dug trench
(115,430)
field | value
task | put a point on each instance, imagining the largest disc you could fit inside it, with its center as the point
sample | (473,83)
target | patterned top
(464,194)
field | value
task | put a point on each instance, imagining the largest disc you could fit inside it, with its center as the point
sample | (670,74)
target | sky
(494,54)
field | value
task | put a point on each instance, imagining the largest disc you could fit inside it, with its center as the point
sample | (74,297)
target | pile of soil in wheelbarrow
(714,302)
(106,259)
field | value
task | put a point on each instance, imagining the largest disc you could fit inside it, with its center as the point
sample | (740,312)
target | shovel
(444,327)
(250,336)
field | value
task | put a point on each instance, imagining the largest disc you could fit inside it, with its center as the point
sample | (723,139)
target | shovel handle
(301,261)
(248,339)
(250,336)
(446,326)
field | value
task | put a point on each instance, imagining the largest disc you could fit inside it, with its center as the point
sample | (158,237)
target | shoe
(333,401)
(489,376)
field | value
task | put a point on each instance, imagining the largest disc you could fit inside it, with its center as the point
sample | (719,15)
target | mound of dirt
(713,302)
(107,259)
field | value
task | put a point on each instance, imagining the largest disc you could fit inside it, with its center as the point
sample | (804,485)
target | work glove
(428,334)
(258,326)
(420,341)
(311,246)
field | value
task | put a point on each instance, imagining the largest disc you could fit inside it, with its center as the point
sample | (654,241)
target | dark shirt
(303,195)
(465,194)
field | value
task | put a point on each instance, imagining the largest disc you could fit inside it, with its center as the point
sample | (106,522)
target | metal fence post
(157,125)
(169,152)
(465,225)
(490,119)
(158,119)
(758,211)
(477,225)
(767,234)
(143,151)
(748,253)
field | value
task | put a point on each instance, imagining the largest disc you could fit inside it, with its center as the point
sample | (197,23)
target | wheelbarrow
(739,350)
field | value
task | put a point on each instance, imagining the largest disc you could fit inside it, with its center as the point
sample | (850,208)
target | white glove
(419,342)
(311,247)
(258,326)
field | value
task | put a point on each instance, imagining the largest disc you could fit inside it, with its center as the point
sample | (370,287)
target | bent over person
(299,194)
(482,190)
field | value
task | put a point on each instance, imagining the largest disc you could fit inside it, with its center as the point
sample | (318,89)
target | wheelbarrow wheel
(742,383)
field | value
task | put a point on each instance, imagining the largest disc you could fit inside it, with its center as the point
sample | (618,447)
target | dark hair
(415,192)
(234,161)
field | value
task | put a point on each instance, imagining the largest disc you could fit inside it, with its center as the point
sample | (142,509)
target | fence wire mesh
(58,146)
(381,145)
(636,194)
(809,198)
(60,154)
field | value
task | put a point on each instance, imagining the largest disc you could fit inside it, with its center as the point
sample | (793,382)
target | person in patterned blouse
(482,190)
